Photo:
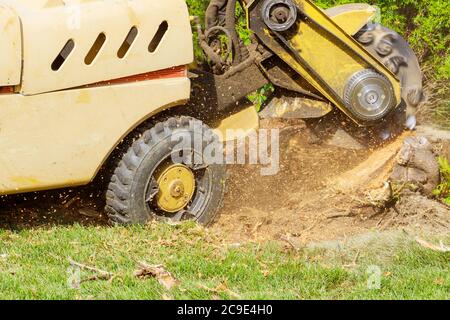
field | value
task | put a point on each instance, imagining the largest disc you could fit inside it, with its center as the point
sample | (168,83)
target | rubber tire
(125,198)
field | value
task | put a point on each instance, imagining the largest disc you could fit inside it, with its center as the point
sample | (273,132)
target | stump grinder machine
(90,84)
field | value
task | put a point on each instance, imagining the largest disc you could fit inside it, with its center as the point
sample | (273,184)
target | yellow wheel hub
(176,187)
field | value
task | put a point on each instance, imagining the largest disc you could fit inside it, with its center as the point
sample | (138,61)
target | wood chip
(69,203)
(164,277)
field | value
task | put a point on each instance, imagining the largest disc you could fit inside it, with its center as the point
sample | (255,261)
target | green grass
(441,114)
(34,265)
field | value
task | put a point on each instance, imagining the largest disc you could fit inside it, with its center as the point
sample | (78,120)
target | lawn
(35,264)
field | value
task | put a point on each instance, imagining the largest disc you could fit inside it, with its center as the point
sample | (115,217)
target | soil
(325,190)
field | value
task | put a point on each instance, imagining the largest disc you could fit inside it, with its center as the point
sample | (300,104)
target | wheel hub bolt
(177,189)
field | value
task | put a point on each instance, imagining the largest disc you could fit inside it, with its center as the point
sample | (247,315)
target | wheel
(395,53)
(166,175)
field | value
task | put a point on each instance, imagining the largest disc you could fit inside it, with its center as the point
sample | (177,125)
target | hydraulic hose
(230,25)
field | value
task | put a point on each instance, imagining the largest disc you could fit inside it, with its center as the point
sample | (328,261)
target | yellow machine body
(58,127)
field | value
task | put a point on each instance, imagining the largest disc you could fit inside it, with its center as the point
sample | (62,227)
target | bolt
(372,98)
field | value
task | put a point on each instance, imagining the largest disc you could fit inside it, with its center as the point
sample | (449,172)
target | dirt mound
(420,214)
(322,193)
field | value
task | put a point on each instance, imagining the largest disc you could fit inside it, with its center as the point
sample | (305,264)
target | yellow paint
(134,19)
(54,3)
(84,97)
(26,180)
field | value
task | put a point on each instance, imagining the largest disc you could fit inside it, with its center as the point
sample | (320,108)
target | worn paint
(31,181)
(352,17)
(237,125)
(84,97)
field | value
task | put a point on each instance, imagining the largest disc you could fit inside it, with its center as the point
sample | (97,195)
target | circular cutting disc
(369,95)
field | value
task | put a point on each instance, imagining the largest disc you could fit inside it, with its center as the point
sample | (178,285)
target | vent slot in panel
(127,43)
(95,49)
